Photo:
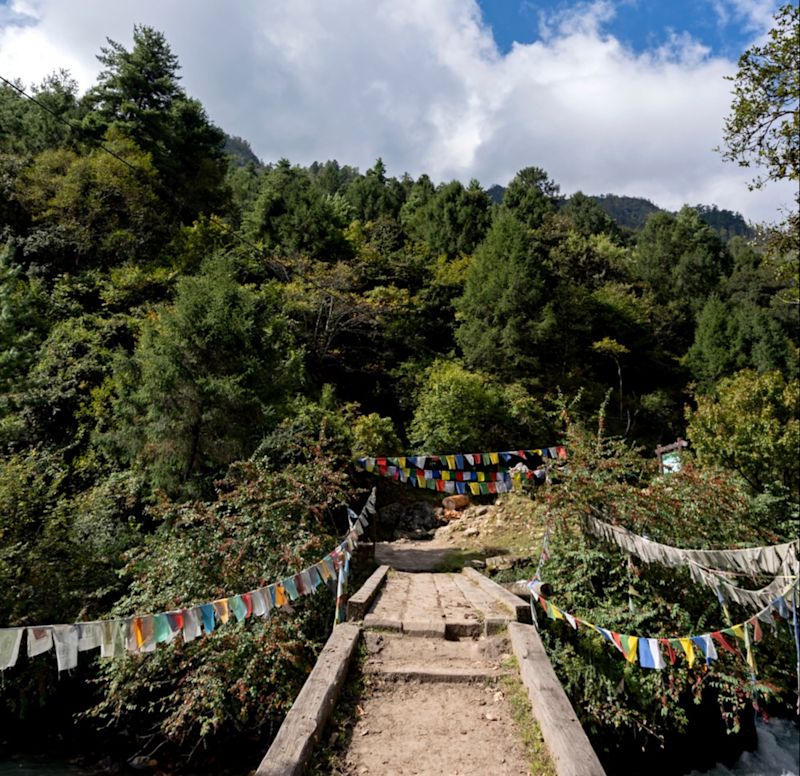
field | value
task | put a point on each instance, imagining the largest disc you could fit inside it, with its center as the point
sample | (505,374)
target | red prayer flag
(670,650)
(722,641)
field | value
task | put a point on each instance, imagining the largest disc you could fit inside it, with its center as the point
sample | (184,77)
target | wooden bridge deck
(436,645)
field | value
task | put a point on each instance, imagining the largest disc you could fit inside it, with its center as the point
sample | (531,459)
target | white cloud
(421,83)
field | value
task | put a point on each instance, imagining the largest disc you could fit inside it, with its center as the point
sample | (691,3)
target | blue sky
(726,29)
(608,96)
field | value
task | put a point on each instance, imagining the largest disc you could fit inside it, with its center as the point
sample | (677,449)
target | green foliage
(616,701)
(138,95)
(207,379)
(682,259)
(764,123)
(452,220)
(505,284)
(26,128)
(588,217)
(530,196)
(750,424)
(92,209)
(290,215)
(262,526)
(462,410)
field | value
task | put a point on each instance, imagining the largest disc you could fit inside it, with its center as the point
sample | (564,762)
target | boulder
(455,503)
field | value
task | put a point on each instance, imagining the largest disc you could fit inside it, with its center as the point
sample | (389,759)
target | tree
(373,195)
(764,124)
(504,292)
(205,382)
(531,195)
(615,351)
(682,259)
(750,425)
(588,217)
(95,209)
(453,220)
(138,93)
(290,215)
(457,409)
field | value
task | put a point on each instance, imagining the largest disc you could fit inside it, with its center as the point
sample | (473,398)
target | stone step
(419,673)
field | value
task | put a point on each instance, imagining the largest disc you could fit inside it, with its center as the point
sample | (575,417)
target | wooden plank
(520,609)
(358,604)
(565,738)
(313,706)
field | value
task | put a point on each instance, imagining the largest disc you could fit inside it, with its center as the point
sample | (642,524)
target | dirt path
(435,730)
(435,680)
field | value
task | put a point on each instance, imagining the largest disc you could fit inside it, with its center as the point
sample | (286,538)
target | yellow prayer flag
(137,631)
(633,651)
(223,610)
(481,476)
(280,595)
(451,461)
(738,631)
(401,462)
(688,648)
(475,488)
(445,475)
(494,457)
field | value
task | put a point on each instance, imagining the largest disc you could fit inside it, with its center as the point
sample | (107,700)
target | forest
(195,345)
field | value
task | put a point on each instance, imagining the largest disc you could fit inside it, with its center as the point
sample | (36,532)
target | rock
(502,562)
(472,531)
(453,503)
(476,563)
(481,511)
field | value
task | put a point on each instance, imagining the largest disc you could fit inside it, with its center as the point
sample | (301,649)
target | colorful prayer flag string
(141,634)
(647,651)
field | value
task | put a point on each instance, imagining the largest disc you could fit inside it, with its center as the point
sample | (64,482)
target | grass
(539,761)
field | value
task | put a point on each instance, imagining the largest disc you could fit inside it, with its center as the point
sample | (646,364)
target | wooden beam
(306,719)
(520,609)
(358,604)
(565,738)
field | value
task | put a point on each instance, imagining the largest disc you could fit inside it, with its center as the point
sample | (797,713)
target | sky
(608,96)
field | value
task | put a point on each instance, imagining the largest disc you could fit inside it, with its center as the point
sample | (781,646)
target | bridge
(435,649)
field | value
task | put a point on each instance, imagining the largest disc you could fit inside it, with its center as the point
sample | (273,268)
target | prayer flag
(66,641)
(670,650)
(113,640)
(688,649)
(161,630)
(39,640)
(223,609)
(238,607)
(89,636)
(628,644)
(706,645)
(290,587)
(175,620)
(207,613)
(248,604)
(280,594)
(722,641)
(650,654)
(10,639)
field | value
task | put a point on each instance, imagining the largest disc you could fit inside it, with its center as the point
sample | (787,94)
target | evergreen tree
(138,94)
